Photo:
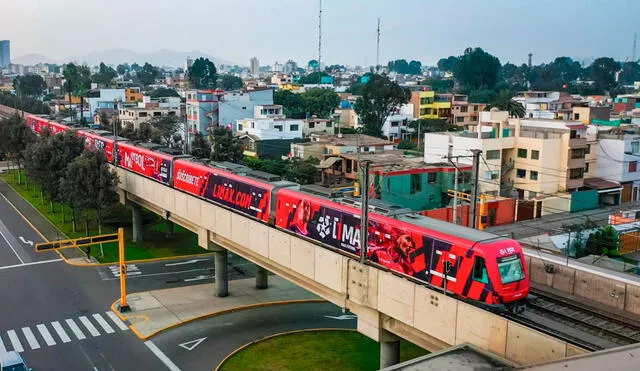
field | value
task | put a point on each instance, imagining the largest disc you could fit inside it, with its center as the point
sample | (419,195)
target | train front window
(480,270)
(510,268)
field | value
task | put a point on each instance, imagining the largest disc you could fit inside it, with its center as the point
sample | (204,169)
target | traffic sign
(76,242)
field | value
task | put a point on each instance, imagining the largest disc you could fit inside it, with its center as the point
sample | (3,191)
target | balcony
(574,163)
(578,143)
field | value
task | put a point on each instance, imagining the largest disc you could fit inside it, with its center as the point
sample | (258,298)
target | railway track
(577,324)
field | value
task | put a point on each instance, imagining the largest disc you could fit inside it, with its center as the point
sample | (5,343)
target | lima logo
(324,226)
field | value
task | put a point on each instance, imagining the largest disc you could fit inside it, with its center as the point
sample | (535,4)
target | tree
(603,73)
(71,78)
(406,144)
(313,78)
(136,68)
(230,82)
(302,171)
(165,131)
(477,69)
(320,102)
(200,148)
(401,66)
(630,73)
(226,146)
(429,125)
(82,86)
(104,75)
(505,102)
(603,241)
(14,138)
(29,85)
(357,85)
(148,74)
(292,102)
(203,74)
(380,97)
(448,64)
(163,92)
(122,69)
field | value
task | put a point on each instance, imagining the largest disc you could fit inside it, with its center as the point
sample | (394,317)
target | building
(5,53)
(586,115)
(321,145)
(526,158)
(429,105)
(211,108)
(105,99)
(269,122)
(281,79)
(290,67)
(626,103)
(464,113)
(315,125)
(396,125)
(547,104)
(137,115)
(254,66)
(133,95)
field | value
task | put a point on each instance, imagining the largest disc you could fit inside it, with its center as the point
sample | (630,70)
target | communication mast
(320,35)
(633,54)
(378,48)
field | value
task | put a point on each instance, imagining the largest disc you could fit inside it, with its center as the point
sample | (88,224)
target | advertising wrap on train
(220,187)
(151,164)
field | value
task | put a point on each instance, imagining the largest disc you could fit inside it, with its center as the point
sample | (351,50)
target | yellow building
(133,95)
(429,105)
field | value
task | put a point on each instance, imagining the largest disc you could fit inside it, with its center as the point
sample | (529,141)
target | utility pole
(419,123)
(474,197)
(364,218)
(378,48)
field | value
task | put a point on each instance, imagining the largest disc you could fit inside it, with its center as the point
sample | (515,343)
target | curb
(273,336)
(208,315)
(67,260)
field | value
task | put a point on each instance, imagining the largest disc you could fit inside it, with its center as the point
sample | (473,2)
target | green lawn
(315,350)
(155,244)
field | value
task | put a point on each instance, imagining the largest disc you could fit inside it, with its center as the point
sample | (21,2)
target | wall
(610,163)
(397,190)
(584,200)
(554,205)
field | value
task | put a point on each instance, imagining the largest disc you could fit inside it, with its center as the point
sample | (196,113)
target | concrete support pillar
(136,216)
(389,350)
(169,234)
(262,278)
(222,280)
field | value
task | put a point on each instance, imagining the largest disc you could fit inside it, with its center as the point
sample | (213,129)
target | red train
(471,264)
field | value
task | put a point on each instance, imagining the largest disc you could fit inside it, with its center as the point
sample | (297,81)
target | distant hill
(163,57)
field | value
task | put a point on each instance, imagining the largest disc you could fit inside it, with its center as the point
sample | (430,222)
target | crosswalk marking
(3,350)
(15,342)
(76,330)
(60,331)
(92,329)
(31,338)
(114,317)
(103,323)
(46,335)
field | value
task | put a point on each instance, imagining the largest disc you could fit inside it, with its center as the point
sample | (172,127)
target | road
(203,344)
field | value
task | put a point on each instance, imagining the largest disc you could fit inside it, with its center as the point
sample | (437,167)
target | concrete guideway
(156,311)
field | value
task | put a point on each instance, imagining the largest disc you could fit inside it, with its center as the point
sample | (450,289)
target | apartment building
(586,115)
(316,125)
(521,157)
(269,122)
(429,105)
(464,113)
(133,95)
(547,104)
(137,115)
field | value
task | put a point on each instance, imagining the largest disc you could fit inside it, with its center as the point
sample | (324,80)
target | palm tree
(505,102)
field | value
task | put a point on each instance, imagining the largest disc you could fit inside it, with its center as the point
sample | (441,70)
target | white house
(270,123)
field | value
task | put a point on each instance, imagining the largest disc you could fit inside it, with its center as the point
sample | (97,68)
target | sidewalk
(155,311)
(41,223)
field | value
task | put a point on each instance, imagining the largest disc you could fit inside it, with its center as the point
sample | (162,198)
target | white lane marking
(46,335)
(198,278)
(161,356)
(3,350)
(26,242)
(190,345)
(60,331)
(14,250)
(103,323)
(192,261)
(76,330)
(159,274)
(114,317)
(92,329)
(32,263)
(15,342)
(343,317)
(31,338)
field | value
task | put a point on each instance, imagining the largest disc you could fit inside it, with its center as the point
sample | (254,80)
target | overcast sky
(276,30)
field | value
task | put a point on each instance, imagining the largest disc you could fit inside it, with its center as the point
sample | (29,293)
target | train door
(444,265)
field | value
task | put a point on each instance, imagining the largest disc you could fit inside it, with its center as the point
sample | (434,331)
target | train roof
(230,167)
(460,231)
(377,206)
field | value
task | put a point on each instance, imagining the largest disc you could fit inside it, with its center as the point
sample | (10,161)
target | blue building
(5,53)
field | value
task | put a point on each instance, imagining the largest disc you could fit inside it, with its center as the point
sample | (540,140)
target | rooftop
(349,140)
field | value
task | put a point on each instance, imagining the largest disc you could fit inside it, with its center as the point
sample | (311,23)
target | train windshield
(510,269)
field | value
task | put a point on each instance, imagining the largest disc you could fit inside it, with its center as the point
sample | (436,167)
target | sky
(278,30)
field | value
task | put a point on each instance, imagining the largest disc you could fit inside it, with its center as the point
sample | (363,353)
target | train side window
(480,270)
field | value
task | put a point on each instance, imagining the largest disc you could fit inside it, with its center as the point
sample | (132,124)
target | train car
(56,127)
(246,195)
(36,123)
(154,165)
(96,142)
(471,264)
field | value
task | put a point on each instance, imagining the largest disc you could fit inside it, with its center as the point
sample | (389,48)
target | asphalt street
(203,344)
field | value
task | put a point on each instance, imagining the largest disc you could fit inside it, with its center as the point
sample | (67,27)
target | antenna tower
(320,35)
(633,54)
(530,55)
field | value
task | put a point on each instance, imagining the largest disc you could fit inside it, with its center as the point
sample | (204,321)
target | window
(157,114)
(480,270)
(475,107)
(460,119)
(576,116)
(491,175)
(533,194)
(533,175)
(588,149)
(635,147)
(521,173)
(510,268)
(142,114)
(277,127)
(416,185)
(535,155)
(388,183)
(577,173)
(633,166)
(172,113)
(312,125)
(464,109)
(522,153)
(253,125)
(577,153)
(394,124)
(239,127)
(328,124)
(493,154)
(432,177)
(573,134)
(294,127)
(586,168)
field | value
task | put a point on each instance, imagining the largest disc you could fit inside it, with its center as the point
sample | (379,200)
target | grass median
(155,244)
(315,350)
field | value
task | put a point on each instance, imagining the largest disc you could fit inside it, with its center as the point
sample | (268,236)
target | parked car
(12,361)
